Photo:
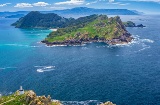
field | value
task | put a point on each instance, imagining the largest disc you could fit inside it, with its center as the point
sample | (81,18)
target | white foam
(147,40)
(20,45)
(144,48)
(39,70)
(42,70)
(55,45)
(84,48)
(136,40)
(8,68)
(88,102)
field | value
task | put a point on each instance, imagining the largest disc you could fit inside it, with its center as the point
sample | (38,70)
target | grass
(107,32)
(16,99)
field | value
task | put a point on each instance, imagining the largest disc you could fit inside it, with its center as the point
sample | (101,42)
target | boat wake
(41,69)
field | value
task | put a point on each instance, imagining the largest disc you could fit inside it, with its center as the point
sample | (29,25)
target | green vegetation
(101,27)
(36,19)
(77,31)
(29,98)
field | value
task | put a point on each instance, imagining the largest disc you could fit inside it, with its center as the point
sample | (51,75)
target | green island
(70,31)
(132,24)
(21,97)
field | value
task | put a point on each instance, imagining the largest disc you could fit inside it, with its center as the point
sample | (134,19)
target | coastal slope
(30,98)
(101,29)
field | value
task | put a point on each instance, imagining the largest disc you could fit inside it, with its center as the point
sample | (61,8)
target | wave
(144,48)
(19,45)
(56,45)
(4,68)
(88,102)
(147,40)
(64,45)
(85,48)
(136,40)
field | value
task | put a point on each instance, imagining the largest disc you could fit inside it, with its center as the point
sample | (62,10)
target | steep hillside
(101,29)
(36,19)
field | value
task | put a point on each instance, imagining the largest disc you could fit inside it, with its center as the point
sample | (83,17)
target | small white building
(21,90)
(0,95)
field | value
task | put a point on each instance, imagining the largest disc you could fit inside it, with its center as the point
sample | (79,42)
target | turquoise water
(124,74)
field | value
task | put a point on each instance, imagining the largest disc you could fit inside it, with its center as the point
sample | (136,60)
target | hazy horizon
(145,6)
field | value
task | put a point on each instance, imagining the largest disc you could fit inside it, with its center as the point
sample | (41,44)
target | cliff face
(101,29)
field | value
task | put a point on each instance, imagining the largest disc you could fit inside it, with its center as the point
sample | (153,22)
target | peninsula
(70,31)
(21,97)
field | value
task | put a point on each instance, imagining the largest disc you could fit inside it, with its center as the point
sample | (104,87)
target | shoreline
(124,39)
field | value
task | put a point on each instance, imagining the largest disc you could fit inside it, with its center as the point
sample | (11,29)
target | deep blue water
(123,74)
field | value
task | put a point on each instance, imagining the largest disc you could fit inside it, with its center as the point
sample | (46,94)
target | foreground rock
(108,103)
(28,98)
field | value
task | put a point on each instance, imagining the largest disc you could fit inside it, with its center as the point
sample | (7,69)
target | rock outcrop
(32,99)
(108,103)
(131,24)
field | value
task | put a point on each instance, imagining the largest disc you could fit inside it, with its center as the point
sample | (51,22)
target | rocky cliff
(101,29)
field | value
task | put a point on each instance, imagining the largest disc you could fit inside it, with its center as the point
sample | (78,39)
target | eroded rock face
(32,99)
(108,103)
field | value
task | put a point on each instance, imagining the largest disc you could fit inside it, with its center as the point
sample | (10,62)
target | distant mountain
(78,12)
(89,11)
(15,16)
(36,19)
(10,14)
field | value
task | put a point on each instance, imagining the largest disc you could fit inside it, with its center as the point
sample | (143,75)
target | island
(132,24)
(70,31)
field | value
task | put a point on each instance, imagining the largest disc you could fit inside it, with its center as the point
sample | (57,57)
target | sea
(83,75)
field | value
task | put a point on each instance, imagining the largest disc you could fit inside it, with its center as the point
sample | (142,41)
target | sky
(146,6)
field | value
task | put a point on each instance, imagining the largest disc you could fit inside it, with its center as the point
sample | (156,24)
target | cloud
(41,4)
(119,3)
(28,5)
(124,3)
(71,2)
(92,2)
(2,5)
(23,5)
(96,1)
(111,0)
(56,8)
(158,1)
